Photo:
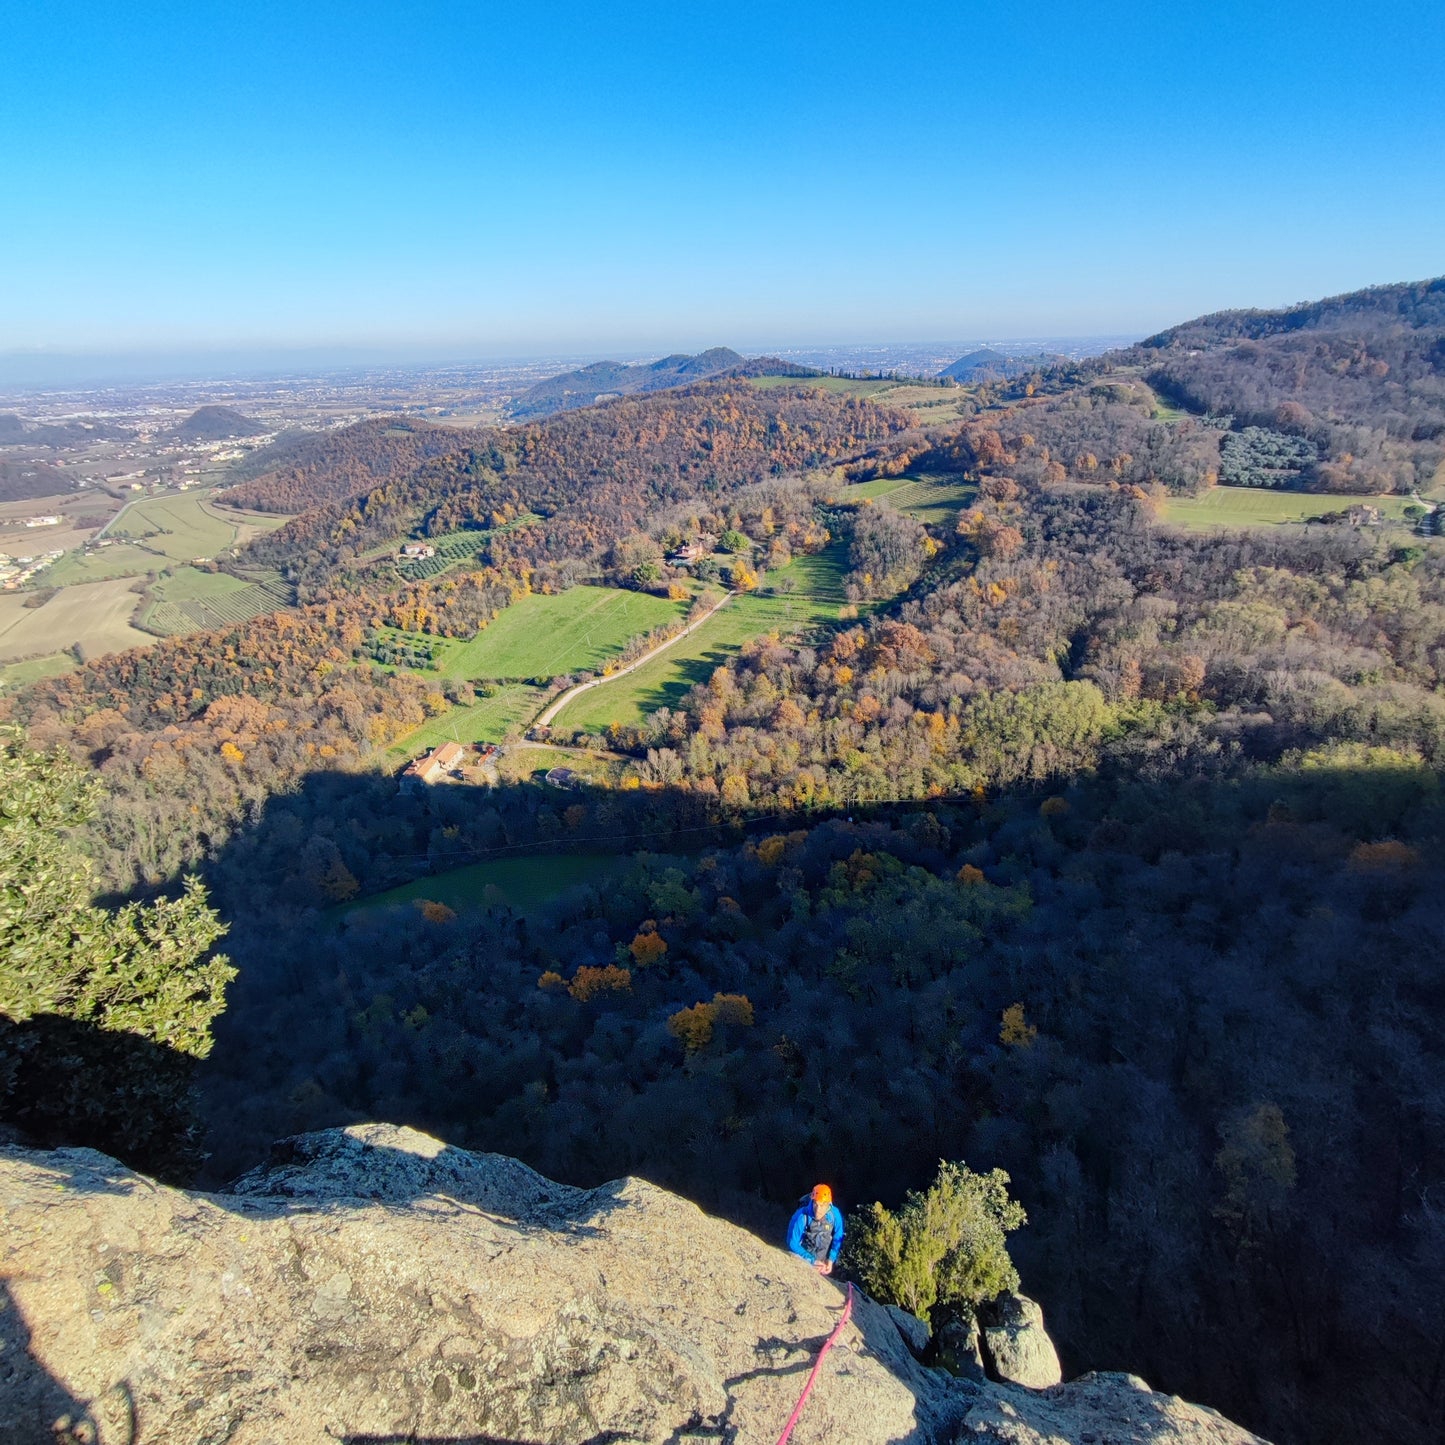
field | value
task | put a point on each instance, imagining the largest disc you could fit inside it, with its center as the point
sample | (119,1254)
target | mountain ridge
(602,379)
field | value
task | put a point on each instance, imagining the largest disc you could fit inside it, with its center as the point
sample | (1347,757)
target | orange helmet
(822,1194)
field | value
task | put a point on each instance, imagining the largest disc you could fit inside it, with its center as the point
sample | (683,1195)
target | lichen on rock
(375,1284)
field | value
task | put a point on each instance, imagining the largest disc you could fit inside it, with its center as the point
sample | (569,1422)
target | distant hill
(603,379)
(986,364)
(16,432)
(216,424)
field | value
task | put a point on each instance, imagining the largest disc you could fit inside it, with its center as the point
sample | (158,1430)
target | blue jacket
(798,1227)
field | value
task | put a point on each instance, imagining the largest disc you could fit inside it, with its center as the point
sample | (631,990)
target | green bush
(945,1246)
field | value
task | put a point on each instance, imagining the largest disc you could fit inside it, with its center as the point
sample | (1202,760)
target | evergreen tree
(102,1013)
(945,1246)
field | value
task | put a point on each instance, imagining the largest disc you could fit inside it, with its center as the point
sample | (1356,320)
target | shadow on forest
(1230,983)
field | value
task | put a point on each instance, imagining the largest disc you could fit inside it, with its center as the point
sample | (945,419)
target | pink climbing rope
(817,1365)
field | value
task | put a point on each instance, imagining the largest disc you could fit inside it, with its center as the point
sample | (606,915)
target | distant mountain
(603,379)
(987,364)
(216,424)
(16,432)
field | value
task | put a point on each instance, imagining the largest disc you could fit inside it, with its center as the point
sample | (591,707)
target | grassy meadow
(543,636)
(488,720)
(1265,507)
(18,674)
(522,882)
(665,681)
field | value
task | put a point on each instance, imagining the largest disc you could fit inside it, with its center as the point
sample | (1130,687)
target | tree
(102,1013)
(734,541)
(945,1246)
(648,948)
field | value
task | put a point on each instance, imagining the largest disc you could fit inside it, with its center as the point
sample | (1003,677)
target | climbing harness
(817,1365)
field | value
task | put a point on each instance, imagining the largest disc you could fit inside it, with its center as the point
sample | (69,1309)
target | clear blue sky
(501,178)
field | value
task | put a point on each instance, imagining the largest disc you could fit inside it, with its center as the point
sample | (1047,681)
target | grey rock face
(1016,1344)
(915,1331)
(1098,1409)
(958,1341)
(374,1284)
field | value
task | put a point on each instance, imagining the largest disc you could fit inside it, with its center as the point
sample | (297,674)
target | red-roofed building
(436,763)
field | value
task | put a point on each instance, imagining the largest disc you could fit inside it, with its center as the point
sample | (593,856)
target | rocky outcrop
(915,1331)
(1016,1346)
(373,1285)
(1101,1409)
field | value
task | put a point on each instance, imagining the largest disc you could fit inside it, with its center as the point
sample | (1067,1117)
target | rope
(817,1365)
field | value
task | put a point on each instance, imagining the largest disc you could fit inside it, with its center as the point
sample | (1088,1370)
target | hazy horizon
(23,370)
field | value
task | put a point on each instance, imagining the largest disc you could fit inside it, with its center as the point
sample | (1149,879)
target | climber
(815,1232)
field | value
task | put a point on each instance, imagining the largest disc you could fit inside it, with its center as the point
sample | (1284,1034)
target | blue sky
(500,178)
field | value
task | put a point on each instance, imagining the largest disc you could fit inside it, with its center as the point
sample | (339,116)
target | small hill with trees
(216,424)
(986,364)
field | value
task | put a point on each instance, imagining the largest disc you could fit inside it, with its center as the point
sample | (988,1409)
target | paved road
(561,701)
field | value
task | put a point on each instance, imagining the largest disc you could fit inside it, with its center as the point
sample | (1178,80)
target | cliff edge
(373,1285)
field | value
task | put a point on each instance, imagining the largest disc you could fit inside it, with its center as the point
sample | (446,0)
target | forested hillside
(1361,377)
(594,476)
(21,481)
(1101,851)
(311,469)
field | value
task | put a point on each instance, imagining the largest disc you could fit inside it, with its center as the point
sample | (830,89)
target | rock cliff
(373,1285)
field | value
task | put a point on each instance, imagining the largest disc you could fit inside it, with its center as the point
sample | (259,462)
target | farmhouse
(418,549)
(1361,515)
(691,552)
(436,764)
(563,778)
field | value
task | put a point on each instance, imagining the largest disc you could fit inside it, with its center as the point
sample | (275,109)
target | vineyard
(454,548)
(182,604)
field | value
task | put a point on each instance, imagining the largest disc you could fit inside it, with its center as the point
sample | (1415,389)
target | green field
(666,680)
(153,534)
(17,674)
(488,720)
(838,384)
(1264,507)
(523,883)
(190,600)
(537,636)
